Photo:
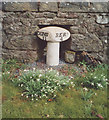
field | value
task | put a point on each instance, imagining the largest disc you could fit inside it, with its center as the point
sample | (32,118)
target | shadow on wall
(65,45)
(41,45)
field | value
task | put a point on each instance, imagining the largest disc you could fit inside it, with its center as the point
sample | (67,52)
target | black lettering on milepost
(61,35)
(43,34)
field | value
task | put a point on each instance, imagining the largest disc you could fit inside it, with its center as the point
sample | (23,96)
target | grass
(67,104)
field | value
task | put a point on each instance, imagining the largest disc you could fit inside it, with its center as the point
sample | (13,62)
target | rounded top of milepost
(53,34)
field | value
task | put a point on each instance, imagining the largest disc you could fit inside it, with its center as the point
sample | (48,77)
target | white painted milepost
(53,35)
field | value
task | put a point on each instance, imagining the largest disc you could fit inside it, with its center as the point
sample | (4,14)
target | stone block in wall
(102,56)
(22,26)
(64,21)
(50,6)
(104,40)
(42,21)
(102,18)
(88,42)
(73,7)
(56,21)
(0,5)
(20,31)
(74,30)
(0,43)
(67,15)
(99,7)
(20,6)
(78,30)
(0,26)
(1,15)
(70,56)
(43,15)
(27,55)
(83,6)
(20,42)
(101,30)
(31,15)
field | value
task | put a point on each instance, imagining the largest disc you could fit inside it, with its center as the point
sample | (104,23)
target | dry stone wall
(87,22)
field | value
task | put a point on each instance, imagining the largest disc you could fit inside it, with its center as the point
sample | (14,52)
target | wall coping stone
(20,6)
(56,6)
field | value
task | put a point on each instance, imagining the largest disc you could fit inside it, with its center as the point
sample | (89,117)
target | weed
(37,84)
(88,109)
(86,94)
(96,79)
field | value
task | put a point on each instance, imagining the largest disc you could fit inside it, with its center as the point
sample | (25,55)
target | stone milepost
(53,35)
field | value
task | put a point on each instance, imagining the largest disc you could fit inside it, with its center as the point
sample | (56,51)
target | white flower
(51,91)
(71,77)
(91,101)
(106,79)
(101,74)
(54,95)
(36,95)
(57,73)
(73,85)
(44,95)
(26,96)
(34,68)
(38,79)
(21,85)
(36,99)
(71,82)
(99,84)
(22,94)
(32,95)
(26,70)
(32,99)
(95,93)
(85,89)
(95,77)
(92,83)
(55,87)
(47,115)
(57,83)
(40,75)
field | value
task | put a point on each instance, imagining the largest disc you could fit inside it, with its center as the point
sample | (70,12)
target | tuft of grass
(95,78)
(37,84)
(86,94)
